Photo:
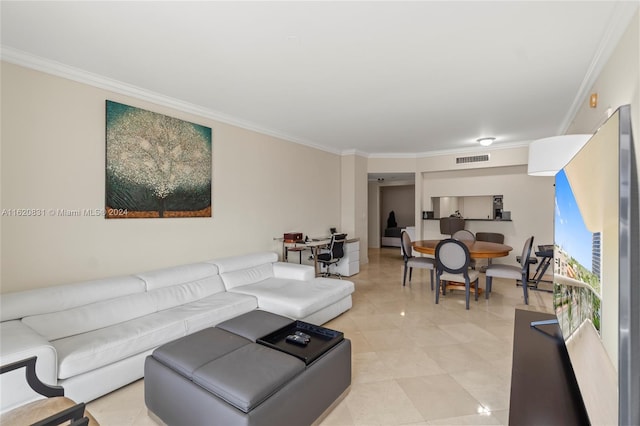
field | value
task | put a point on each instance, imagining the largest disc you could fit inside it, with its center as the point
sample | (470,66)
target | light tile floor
(414,362)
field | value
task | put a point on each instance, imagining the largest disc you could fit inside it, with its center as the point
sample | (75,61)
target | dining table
(477,249)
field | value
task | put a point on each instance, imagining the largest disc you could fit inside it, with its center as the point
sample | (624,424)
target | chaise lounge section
(93,337)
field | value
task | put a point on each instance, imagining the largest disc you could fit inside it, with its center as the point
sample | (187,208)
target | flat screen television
(596,271)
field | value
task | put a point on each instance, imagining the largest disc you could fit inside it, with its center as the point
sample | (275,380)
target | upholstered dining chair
(465,235)
(452,264)
(511,271)
(491,237)
(334,255)
(411,261)
(54,410)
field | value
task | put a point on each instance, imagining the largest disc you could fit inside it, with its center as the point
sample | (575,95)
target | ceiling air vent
(472,159)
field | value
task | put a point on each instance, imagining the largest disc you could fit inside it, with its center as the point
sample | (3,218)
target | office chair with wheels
(334,255)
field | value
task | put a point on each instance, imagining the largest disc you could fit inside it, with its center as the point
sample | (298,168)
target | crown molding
(618,23)
(58,69)
(27,60)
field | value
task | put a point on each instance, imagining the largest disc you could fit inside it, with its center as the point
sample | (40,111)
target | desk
(313,245)
(477,249)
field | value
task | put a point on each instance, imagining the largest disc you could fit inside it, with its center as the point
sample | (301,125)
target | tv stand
(544,389)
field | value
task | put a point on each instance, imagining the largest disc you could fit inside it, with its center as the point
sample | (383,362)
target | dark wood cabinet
(544,390)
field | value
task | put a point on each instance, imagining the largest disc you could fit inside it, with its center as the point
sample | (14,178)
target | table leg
(314,251)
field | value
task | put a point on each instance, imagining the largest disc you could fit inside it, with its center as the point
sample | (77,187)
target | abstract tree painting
(156,165)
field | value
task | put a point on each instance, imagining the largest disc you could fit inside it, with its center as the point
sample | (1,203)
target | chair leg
(437,288)
(431,274)
(410,273)
(476,287)
(487,287)
(467,291)
(525,289)
(404,278)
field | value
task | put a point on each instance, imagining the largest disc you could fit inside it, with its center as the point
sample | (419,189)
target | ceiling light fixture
(486,141)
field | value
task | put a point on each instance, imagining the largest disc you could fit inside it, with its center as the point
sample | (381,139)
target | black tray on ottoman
(322,339)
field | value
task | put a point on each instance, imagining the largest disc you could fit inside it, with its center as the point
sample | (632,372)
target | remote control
(296,340)
(303,335)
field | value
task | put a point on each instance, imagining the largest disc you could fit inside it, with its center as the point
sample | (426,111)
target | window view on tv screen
(577,257)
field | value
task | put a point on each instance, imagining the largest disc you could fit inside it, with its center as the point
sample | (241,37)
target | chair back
(526,252)
(449,225)
(463,235)
(492,237)
(405,243)
(337,245)
(452,256)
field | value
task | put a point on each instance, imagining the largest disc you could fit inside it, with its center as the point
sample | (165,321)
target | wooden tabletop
(477,249)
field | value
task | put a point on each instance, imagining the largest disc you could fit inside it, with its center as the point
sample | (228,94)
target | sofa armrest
(293,271)
(20,342)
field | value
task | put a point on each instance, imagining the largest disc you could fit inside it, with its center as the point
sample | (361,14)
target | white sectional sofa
(92,337)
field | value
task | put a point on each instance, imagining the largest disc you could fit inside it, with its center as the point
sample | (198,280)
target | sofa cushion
(250,275)
(293,271)
(235,263)
(91,350)
(82,319)
(297,299)
(175,295)
(211,310)
(59,298)
(179,275)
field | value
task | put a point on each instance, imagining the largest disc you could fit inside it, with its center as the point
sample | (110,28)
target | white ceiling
(377,78)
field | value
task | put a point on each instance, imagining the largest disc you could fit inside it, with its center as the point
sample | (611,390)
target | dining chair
(334,255)
(452,264)
(465,235)
(411,261)
(55,409)
(511,271)
(491,237)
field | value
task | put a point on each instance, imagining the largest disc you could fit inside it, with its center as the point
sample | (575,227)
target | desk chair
(512,272)
(334,255)
(452,264)
(410,261)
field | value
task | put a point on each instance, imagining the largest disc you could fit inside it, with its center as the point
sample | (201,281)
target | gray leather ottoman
(220,376)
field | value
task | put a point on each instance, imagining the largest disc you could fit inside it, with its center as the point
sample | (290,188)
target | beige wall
(354,201)
(53,157)
(530,200)
(617,84)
